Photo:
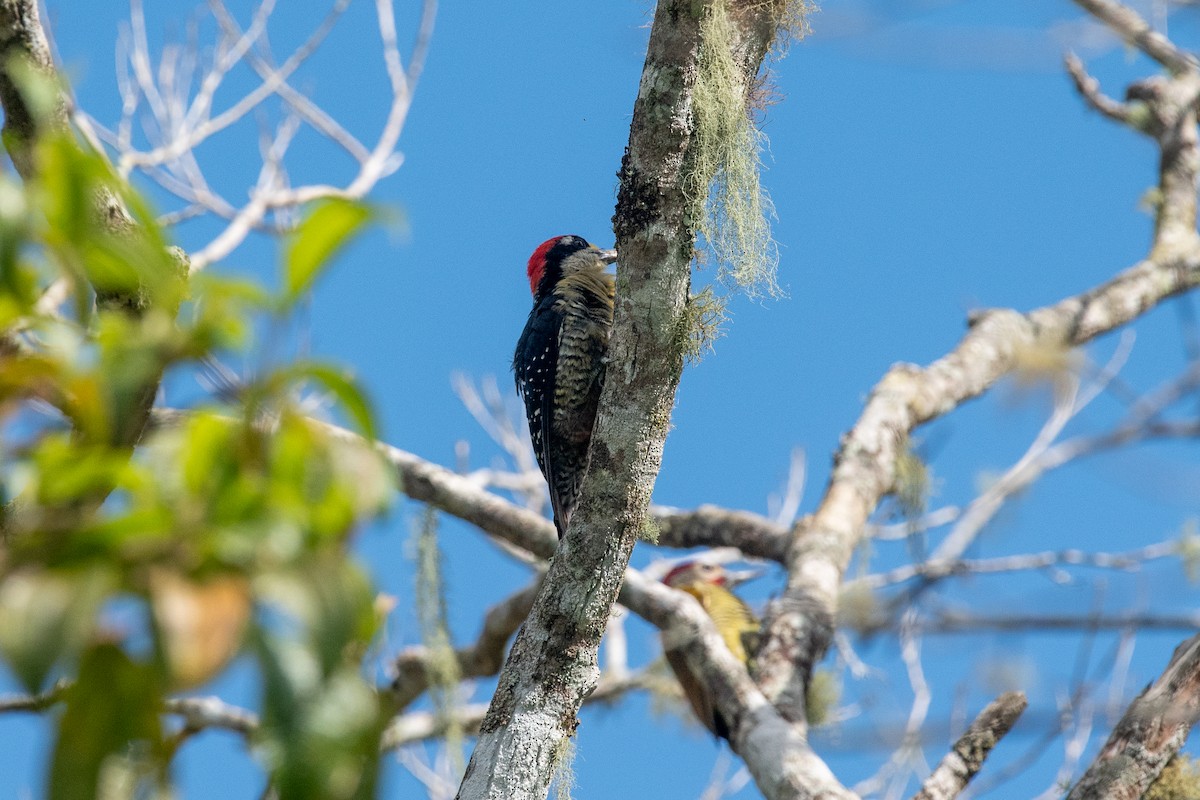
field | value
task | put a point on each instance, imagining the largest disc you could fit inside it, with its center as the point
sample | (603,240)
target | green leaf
(70,472)
(113,704)
(18,288)
(320,732)
(47,616)
(221,311)
(207,459)
(40,90)
(314,242)
(129,266)
(331,600)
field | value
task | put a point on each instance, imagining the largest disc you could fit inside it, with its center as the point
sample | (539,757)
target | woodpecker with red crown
(560,360)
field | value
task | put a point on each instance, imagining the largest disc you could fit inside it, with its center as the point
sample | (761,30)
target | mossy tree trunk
(552,665)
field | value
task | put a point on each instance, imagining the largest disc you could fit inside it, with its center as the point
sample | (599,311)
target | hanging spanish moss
(733,211)
(564,772)
(444,672)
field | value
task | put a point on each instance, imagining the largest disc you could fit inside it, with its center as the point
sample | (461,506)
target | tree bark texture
(22,38)
(1152,730)
(966,758)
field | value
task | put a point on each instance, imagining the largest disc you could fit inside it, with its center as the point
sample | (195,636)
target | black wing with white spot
(534,366)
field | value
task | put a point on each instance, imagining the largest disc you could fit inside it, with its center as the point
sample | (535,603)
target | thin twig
(1131,27)
(1089,88)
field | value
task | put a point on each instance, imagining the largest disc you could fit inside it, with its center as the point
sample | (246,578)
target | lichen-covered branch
(713,526)
(799,625)
(1152,730)
(426,482)
(966,758)
(776,752)
(198,713)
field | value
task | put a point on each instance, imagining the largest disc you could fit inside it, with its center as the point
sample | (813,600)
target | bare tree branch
(188,138)
(313,114)
(958,622)
(1130,26)
(201,713)
(966,758)
(178,123)
(934,570)
(1089,88)
(1151,732)
(799,625)
(1071,398)
(34,702)
(776,751)
(909,755)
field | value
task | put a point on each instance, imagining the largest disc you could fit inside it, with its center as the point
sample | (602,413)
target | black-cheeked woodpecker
(560,360)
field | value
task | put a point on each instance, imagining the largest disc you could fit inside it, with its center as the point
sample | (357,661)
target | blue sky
(926,159)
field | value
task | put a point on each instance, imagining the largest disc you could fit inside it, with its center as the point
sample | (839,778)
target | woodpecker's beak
(608,256)
(737,577)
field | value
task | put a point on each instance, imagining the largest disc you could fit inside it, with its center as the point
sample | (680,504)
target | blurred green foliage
(226,524)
